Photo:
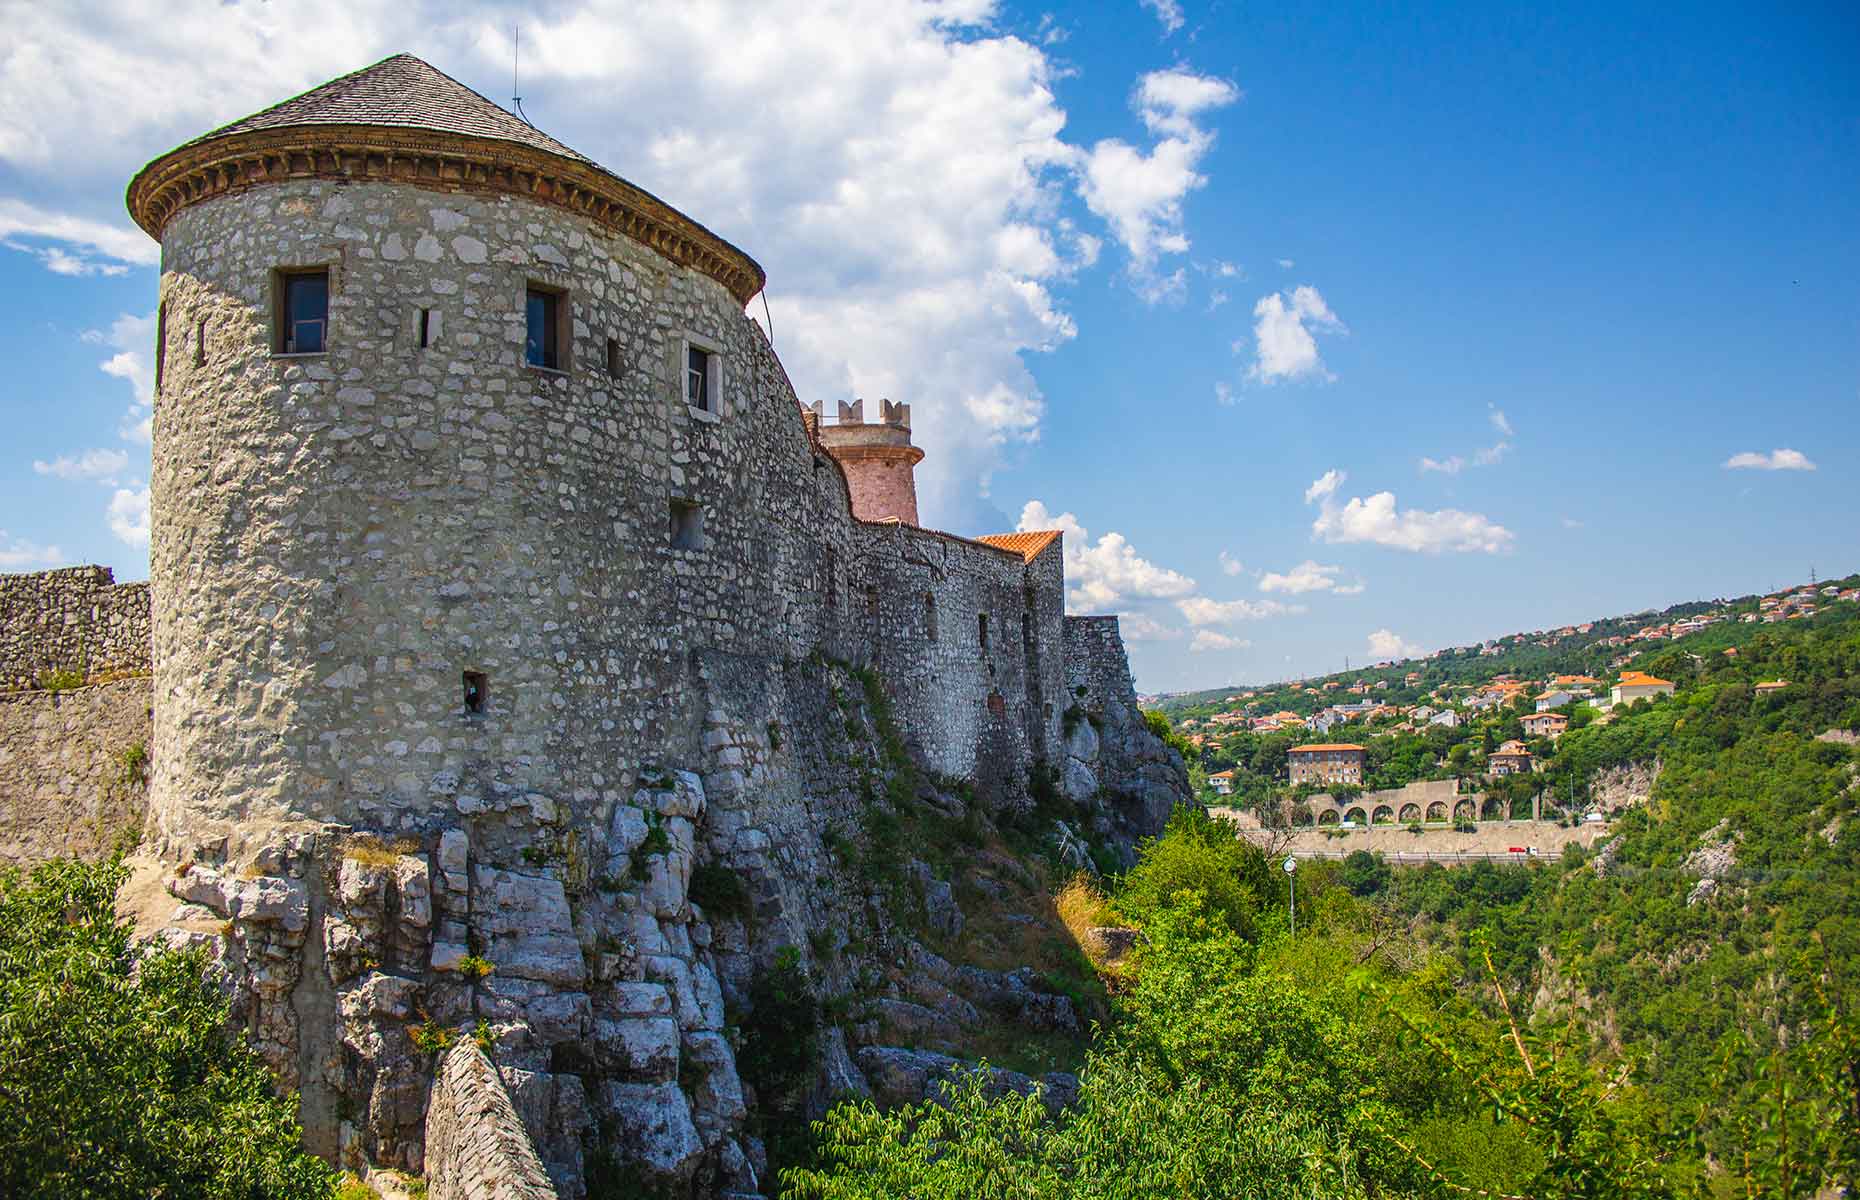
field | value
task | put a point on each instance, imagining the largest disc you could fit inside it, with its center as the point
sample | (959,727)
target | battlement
(878,458)
(890,415)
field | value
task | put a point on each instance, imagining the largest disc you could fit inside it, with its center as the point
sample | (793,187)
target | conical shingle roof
(404,92)
(405,121)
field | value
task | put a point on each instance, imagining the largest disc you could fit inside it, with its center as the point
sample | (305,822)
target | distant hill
(1585,648)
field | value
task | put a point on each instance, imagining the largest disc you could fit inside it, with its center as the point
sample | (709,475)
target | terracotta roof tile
(1027,545)
(1313,748)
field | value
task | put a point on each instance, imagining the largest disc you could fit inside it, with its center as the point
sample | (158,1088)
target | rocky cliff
(798,915)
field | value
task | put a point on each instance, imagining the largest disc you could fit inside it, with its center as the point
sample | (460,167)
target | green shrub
(720,892)
(474,968)
(1200,860)
(121,1078)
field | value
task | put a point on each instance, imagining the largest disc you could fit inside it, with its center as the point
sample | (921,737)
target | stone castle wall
(74,619)
(72,773)
(339,537)
(974,705)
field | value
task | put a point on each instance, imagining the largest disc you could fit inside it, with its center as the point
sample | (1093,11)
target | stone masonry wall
(76,618)
(476,1145)
(71,781)
(339,537)
(973,705)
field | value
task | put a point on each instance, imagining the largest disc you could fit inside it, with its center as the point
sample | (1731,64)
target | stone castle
(499,581)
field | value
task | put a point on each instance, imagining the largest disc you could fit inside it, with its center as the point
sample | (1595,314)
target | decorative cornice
(909,454)
(437,161)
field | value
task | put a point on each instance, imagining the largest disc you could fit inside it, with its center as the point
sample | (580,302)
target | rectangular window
(200,343)
(613,357)
(477,691)
(699,371)
(981,625)
(930,616)
(542,343)
(426,328)
(687,526)
(303,312)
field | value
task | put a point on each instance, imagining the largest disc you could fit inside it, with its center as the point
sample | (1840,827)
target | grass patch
(373,851)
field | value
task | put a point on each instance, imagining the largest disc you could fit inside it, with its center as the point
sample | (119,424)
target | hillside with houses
(1490,716)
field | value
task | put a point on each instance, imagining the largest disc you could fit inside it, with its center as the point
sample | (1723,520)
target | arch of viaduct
(1432,802)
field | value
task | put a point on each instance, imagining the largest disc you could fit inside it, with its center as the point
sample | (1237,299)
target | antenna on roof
(516,51)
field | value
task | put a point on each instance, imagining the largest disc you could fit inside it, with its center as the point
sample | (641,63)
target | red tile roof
(1027,545)
(1315,747)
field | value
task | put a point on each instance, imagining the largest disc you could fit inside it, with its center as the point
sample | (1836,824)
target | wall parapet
(71,619)
(476,1145)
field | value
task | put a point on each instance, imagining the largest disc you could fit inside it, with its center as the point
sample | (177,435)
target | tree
(121,1078)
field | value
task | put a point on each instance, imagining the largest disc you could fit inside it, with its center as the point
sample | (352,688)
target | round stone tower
(878,459)
(441,406)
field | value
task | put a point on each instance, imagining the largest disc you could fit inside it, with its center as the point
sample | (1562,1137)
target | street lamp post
(1291,878)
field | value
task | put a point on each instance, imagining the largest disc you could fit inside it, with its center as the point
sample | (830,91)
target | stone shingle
(404,92)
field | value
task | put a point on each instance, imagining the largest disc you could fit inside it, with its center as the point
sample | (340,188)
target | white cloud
(1308,576)
(1108,573)
(1139,193)
(1224,395)
(1200,610)
(1286,264)
(1376,520)
(1775,460)
(1571,523)
(1216,298)
(21,223)
(18,555)
(1230,565)
(1283,333)
(1386,643)
(133,339)
(1325,485)
(129,516)
(1491,455)
(1207,639)
(808,144)
(1168,12)
(1140,627)
(101,466)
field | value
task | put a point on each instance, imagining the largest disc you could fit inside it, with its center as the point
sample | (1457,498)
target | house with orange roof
(1774,685)
(1545,724)
(1327,762)
(1222,782)
(1512,758)
(1638,685)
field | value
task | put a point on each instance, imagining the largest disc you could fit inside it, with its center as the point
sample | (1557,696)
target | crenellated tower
(878,459)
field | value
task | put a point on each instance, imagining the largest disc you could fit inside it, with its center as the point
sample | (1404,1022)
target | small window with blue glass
(542,344)
(303,312)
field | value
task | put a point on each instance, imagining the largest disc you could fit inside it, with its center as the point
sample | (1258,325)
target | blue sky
(1516,285)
